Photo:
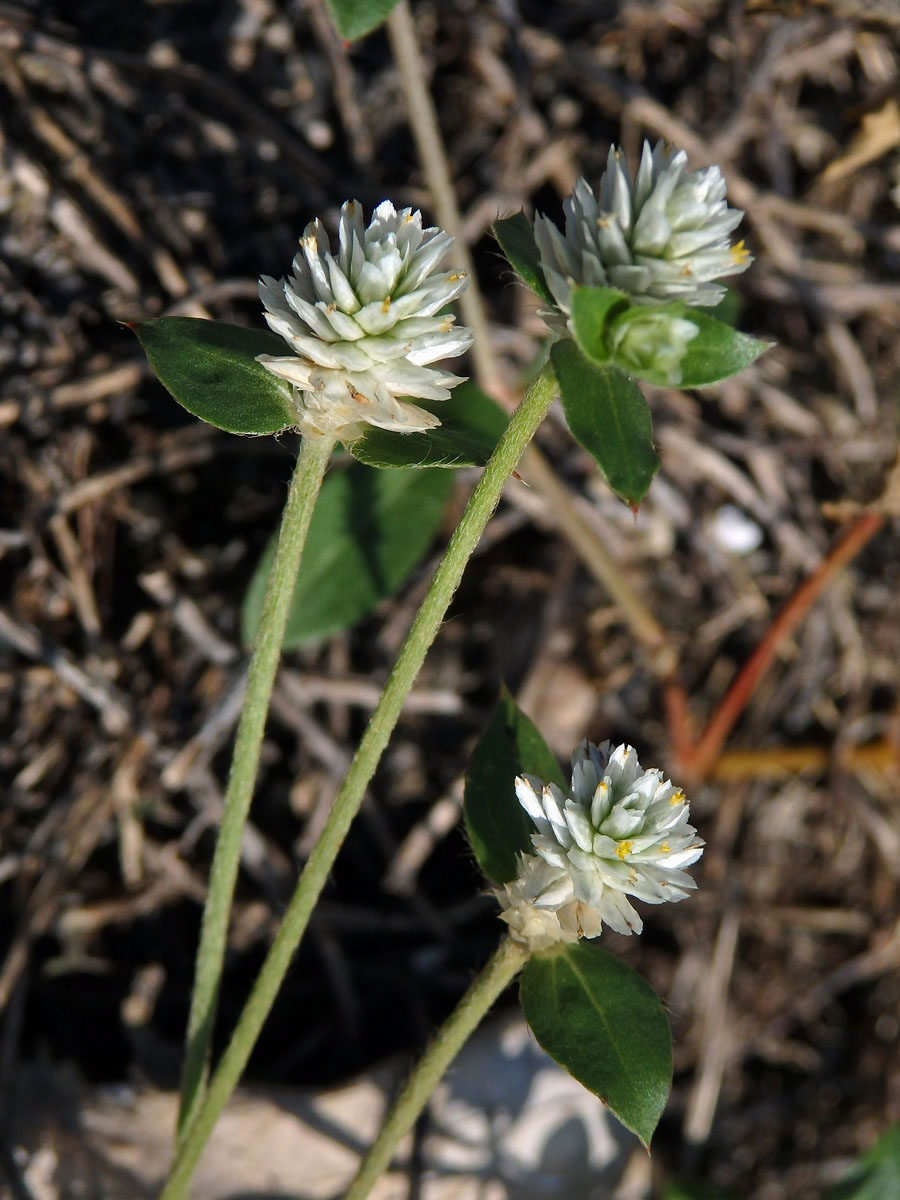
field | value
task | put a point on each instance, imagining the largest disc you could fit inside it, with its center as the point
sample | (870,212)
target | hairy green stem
(500,971)
(304,488)
(482,503)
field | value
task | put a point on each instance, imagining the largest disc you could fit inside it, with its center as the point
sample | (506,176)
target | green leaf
(356,18)
(497,825)
(717,352)
(727,310)
(876,1174)
(369,530)
(608,414)
(211,370)
(471,425)
(592,310)
(601,1021)
(692,1191)
(516,238)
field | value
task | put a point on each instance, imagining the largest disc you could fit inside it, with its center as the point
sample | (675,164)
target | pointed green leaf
(369,531)
(608,414)
(211,370)
(592,310)
(471,425)
(876,1174)
(356,18)
(516,238)
(601,1021)
(497,825)
(717,352)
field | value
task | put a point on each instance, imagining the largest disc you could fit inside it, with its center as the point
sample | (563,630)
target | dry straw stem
(535,469)
(775,762)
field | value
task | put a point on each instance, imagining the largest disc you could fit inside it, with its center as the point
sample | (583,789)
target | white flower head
(364,325)
(665,236)
(621,832)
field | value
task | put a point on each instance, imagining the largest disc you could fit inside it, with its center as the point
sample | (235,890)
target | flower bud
(651,342)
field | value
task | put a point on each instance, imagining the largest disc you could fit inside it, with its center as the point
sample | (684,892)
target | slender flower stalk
(481,505)
(364,327)
(500,971)
(304,488)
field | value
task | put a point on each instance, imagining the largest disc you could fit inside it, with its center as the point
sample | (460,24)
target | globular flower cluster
(364,325)
(665,236)
(622,831)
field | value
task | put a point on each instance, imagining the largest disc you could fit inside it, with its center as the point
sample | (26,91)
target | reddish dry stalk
(678,722)
(695,761)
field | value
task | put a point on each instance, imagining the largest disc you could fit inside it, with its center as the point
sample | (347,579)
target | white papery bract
(540,908)
(622,831)
(364,325)
(665,236)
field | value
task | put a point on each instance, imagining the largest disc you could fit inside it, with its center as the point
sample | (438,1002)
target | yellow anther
(386,304)
(623,848)
(677,797)
(739,252)
(665,848)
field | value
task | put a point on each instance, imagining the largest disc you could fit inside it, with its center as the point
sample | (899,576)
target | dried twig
(696,759)
(112,705)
